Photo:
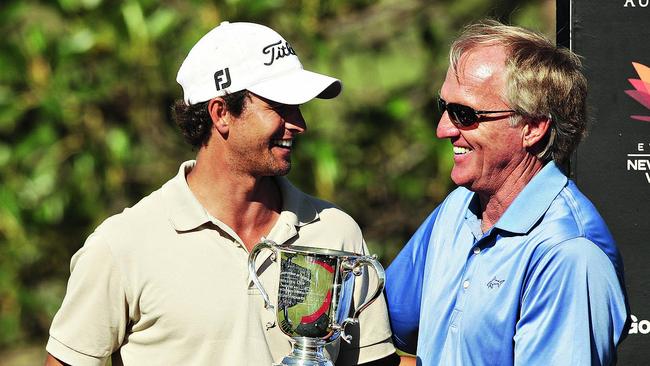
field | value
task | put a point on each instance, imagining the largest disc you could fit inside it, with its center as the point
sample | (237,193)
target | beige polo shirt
(163,283)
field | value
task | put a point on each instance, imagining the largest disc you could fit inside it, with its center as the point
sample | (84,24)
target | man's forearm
(408,361)
(52,361)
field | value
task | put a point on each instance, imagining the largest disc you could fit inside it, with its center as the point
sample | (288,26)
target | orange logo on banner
(642,89)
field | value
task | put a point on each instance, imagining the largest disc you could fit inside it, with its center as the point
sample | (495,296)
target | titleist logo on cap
(277,50)
(248,56)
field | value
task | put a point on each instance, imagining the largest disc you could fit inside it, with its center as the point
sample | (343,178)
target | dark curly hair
(195,122)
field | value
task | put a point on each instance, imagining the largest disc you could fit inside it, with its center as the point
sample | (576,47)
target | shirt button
(477,250)
(466,284)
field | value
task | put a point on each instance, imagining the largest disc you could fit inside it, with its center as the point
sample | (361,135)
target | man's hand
(407,361)
(51,361)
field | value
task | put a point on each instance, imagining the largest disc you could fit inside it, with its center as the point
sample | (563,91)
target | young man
(516,266)
(166,281)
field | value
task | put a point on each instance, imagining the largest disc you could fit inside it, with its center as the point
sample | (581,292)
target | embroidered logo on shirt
(494,283)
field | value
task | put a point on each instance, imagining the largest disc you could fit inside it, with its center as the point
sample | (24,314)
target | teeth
(461,150)
(283,143)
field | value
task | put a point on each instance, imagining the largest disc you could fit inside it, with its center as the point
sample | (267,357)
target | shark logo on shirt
(494,283)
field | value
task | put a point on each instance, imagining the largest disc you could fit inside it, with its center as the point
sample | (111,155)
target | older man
(166,281)
(516,266)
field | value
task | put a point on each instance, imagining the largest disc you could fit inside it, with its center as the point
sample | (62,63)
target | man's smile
(286,143)
(461,150)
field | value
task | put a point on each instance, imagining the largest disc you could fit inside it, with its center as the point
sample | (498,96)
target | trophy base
(306,352)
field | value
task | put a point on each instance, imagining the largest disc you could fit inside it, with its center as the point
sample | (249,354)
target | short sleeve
(404,279)
(573,308)
(92,320)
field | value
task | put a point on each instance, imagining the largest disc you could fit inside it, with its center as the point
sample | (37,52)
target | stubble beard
(262,166)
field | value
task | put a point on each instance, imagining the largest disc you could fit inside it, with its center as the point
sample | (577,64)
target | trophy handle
(264,244)
(355,267)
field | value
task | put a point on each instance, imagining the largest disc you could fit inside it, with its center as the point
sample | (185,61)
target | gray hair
(542,81)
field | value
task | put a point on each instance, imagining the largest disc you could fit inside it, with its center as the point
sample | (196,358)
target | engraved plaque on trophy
(314,296)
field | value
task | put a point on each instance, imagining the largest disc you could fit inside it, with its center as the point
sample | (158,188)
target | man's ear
(535,130)
(219,115)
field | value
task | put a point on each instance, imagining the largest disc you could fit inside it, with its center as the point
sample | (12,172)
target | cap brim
(297,87)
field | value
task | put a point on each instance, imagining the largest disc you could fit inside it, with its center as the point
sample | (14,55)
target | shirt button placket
(475,250)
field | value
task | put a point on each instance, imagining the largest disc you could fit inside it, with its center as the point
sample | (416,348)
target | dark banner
(612,166)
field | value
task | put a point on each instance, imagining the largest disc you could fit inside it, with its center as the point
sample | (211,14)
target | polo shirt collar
(297,209)
(186,213)
(534,200)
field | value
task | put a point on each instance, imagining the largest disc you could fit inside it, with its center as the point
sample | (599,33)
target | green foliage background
(85,126)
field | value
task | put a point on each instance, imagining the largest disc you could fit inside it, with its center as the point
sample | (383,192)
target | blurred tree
(85,128)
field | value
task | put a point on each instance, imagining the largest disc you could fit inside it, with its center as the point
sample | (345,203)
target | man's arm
(52,361)
(573,308)
(93,317)
(404,278)
(408,361)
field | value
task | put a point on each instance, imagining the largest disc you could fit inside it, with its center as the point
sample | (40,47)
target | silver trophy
(314,296)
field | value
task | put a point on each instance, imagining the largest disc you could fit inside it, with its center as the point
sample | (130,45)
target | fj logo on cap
(277,50)
(219,81)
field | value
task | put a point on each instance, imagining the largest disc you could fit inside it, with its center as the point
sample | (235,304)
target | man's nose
(446,128)
(296,122)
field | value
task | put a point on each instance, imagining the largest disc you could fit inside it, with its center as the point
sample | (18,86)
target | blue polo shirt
(544,286)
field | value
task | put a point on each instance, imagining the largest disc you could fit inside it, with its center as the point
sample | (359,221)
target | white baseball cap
(238,56)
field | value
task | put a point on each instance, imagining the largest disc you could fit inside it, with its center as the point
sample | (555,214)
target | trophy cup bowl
(315,293)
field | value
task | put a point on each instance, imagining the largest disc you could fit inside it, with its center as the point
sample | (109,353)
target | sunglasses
(462,115)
